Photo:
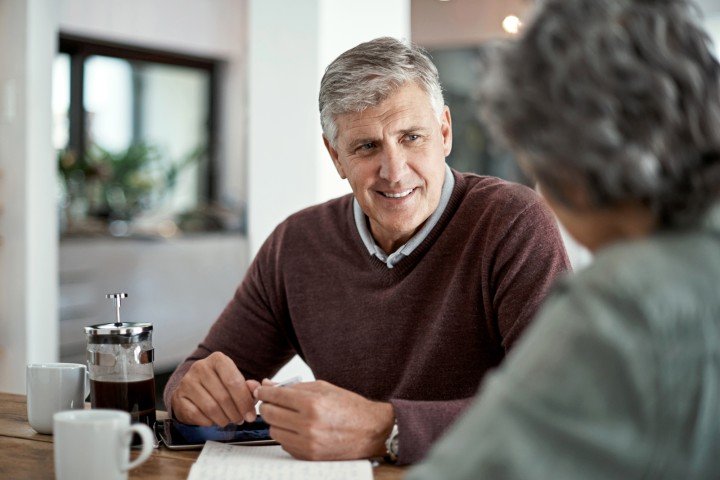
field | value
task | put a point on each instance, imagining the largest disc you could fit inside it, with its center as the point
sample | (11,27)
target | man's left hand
(319,421)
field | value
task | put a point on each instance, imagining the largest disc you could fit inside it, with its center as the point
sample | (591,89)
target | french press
(120,365)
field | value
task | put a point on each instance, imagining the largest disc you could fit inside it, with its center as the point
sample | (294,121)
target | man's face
(393,155)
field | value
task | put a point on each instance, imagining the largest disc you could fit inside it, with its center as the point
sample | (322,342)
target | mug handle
(87,384)
(147,444)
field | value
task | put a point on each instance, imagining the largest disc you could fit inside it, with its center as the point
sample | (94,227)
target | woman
(614,107)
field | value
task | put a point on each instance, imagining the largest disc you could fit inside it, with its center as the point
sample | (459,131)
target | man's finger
(185,411)
(281,417)
(238,390)
(286,397)
(252,385)
(220,393)
(205,402)
(291,442)
(283,436)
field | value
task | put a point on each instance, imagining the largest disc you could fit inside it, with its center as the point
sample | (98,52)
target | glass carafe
(120,365)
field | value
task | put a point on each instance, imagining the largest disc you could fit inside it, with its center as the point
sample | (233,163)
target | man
(399,297)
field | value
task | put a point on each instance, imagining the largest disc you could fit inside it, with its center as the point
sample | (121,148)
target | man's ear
(334,155)
(446,130)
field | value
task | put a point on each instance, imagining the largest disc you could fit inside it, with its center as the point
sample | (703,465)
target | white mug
(92,444)
(52,387)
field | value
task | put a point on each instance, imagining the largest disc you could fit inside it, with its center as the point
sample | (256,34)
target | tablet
(180,436)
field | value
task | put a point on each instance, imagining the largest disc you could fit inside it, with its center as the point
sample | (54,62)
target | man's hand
(319,421)
(213,391)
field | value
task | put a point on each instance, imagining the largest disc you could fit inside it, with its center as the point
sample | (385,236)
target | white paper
(219,461)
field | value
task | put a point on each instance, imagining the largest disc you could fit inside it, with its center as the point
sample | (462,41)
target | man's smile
(400,194)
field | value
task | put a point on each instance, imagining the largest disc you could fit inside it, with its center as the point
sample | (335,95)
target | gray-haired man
(399,297)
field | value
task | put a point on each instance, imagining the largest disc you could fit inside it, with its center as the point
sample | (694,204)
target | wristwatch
(392,444)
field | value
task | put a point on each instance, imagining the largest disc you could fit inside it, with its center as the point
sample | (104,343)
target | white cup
(52,387)
(93,444)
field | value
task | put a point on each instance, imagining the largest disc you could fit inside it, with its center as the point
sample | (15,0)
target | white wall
(711,10)
(282,130)
(28,222)
(709,7)
(289,168)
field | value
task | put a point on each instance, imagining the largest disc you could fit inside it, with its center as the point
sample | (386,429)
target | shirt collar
(415,240)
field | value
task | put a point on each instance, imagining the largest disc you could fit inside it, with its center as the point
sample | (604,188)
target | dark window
(135,134)
(473,148)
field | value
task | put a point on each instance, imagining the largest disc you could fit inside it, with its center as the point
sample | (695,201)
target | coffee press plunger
(120,364)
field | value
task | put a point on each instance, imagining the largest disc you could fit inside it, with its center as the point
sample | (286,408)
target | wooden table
(26,454)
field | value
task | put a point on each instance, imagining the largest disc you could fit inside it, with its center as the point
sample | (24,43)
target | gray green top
(619,376)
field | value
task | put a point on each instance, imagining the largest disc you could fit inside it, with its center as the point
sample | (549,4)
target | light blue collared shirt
(406,249)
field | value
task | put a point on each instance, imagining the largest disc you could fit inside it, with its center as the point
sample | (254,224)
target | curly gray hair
(619,96)
(367,74)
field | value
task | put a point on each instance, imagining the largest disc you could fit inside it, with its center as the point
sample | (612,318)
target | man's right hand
(213,391)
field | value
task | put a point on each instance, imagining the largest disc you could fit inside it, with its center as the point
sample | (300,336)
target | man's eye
(367,146)
(412,137)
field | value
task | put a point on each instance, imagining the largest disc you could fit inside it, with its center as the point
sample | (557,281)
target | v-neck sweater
(420,335)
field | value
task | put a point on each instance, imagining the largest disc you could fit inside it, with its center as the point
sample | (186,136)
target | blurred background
(150,146)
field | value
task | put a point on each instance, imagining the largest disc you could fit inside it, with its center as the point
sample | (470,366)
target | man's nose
(393,164)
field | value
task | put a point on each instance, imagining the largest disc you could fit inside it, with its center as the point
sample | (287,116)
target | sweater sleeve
(250,330)
(525,260)
(421,423)
(525,263)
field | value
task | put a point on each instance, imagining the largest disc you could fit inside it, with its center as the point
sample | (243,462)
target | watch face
(394,445)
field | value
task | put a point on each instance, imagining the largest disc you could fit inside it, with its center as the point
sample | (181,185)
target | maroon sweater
(420,335)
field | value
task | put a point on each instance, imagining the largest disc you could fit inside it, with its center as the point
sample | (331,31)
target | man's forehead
(373,119)
(396,113)
(371,130)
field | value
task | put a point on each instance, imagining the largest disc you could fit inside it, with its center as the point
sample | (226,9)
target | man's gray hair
(369,73)
(621,97)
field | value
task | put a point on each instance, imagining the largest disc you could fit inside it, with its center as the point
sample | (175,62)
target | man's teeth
(399,195)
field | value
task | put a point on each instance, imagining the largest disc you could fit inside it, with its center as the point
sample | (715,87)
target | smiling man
(389,154)
(399,297)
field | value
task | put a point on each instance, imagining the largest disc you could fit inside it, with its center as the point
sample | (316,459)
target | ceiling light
(511,24)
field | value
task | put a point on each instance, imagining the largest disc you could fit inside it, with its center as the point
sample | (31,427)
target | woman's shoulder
(662,285)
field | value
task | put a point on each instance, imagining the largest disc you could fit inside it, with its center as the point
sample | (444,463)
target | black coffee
(136,398)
